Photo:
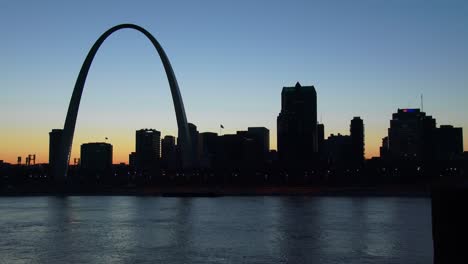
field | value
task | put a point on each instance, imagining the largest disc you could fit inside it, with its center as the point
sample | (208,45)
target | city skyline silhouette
(234,131)
(231,77)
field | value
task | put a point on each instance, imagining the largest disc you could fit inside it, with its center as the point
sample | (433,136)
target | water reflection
(215,230)
(290,229)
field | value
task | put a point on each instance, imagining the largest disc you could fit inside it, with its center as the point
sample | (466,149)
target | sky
(365,58)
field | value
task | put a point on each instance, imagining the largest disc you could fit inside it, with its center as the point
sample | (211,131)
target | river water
(121,229)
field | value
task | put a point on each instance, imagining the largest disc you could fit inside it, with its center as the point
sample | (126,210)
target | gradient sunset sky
(231,58)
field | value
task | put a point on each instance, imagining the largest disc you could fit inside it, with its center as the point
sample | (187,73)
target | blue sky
(231,58)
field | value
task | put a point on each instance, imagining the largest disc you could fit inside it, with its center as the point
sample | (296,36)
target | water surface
(215,230)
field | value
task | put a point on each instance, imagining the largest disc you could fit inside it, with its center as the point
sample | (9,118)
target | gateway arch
(63,157)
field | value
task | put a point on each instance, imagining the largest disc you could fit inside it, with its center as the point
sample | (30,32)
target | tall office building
(229,153)
(357,140)
(207,149)
(96,160)
(255,144)
(148,148)
(321,139)
(448,142)
(132,160)
(338,150)
(297,126)
(384,148)
(410,136)
(168,152)
(55,139)
(194,137)
(261,137)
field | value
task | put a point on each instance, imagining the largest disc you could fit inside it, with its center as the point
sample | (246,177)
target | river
(278,229)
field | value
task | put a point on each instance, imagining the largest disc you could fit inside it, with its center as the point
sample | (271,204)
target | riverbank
(216,191)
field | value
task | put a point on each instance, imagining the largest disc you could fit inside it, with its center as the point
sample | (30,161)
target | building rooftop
(297,87)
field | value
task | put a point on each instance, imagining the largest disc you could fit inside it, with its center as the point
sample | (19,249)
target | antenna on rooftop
(422,103)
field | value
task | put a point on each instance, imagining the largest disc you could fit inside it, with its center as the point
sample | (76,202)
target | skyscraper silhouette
(261,138)
(132,160)
(229,153)
(255,146)
(321,140)
(208,149)
(148,147)
(297,125)
(168,152)
(410,135)
(448,142)
(55,139)
(96,160)
(194,134)
(339,150)
(384,148)
(357,140)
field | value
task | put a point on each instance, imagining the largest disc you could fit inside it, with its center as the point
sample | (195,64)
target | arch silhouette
(63,159)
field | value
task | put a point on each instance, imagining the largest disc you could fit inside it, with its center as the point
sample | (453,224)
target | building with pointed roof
(297,126)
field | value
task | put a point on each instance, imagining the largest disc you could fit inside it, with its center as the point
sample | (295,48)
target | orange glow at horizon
(22,143)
